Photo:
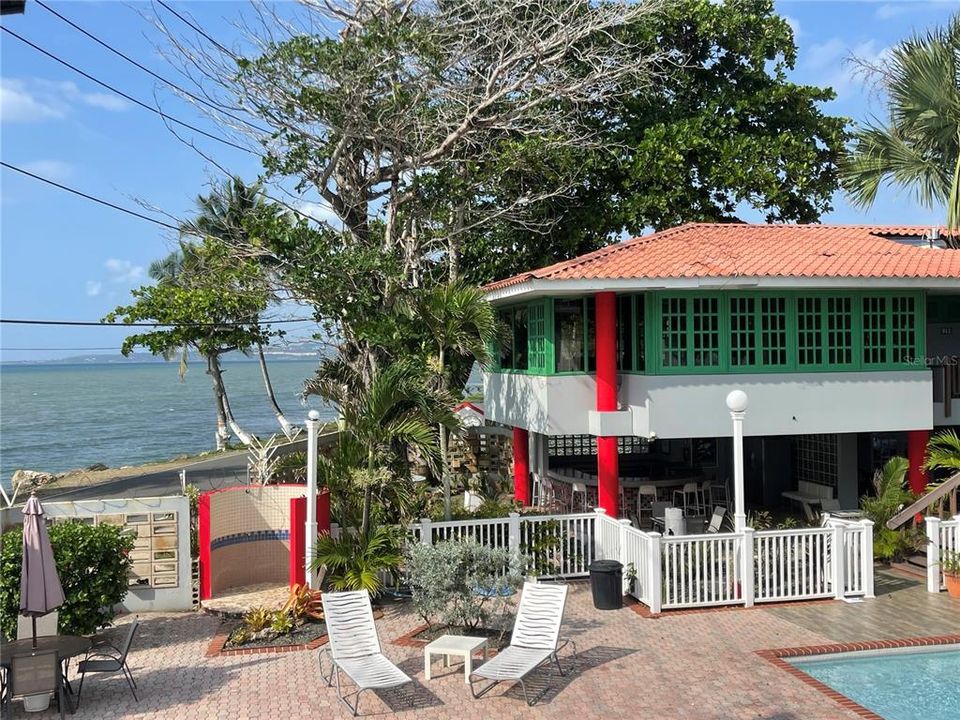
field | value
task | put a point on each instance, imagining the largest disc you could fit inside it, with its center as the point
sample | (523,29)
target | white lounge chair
(535,640)
(716,521)
(354,646)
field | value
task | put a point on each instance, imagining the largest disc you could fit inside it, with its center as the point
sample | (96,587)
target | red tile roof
(705,250)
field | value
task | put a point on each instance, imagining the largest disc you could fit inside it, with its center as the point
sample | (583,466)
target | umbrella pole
(34,618)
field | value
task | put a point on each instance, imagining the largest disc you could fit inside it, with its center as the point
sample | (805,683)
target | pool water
(897,685)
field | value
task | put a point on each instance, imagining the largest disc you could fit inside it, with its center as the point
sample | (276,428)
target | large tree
(918,147)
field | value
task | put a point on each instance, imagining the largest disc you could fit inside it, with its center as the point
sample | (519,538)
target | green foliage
(943,451)
(445,579)
(354,562)
(891,496)
(918,148)
(282,623)
(258,618)
(93,564)
(193,495)
(950,562)
(547,545)
(291,468)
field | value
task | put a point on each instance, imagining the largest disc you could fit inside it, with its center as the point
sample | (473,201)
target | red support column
(608,472)
(916,453)
(521,466)
(298,540)
(203,540)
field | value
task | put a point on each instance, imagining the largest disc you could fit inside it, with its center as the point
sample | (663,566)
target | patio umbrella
(40,589)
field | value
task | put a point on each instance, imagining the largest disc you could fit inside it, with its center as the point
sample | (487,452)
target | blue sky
(62,257)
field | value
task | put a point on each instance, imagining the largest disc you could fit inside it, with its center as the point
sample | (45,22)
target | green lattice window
(903,326)
(839,322)
(673,327)
(705,341)
(875,330)
(743,331)
(537,336)
(774,334)
(809,331)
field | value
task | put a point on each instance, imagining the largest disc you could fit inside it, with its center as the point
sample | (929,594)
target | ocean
(60,417)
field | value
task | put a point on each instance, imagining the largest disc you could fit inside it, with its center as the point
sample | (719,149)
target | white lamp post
(737,402)
(310,541)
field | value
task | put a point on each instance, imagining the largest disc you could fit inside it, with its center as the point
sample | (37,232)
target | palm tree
(943,451)
(223,214)
(461,324)
(381,420)
(919,147)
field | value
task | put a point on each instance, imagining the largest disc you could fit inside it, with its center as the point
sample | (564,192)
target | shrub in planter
(460,584)
(93,564)
(950,566)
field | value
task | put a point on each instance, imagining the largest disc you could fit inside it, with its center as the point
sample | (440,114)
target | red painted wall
(608,461)
(521,466)
(298,532)
(203,537)
(916,453)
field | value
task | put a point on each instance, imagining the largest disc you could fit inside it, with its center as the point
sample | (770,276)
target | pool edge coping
(776,657)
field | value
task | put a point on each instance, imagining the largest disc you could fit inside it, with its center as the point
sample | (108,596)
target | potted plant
(950,566)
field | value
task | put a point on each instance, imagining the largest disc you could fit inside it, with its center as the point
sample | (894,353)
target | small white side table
(458,645)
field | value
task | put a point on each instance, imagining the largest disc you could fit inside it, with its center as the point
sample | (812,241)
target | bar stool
(646,497)
(535,500)
(578,488)
(690,490)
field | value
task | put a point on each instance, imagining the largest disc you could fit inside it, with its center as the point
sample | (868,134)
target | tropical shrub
(891,496)
(460,584)
(93,564)
(547,546)
(303,604)
(257,619)
(356,562)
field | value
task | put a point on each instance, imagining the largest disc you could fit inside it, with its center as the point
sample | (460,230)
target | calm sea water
(59,417)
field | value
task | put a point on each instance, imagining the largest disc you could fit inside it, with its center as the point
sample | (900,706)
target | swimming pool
(906,684)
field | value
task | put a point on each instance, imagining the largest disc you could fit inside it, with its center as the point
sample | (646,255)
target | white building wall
(682,406)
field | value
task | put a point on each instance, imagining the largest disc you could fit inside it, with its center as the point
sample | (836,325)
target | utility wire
(89,197)
(97,323)
(193,25)
(122,94)
(148,70)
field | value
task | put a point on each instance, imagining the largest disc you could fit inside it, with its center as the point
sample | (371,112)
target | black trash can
(606,584)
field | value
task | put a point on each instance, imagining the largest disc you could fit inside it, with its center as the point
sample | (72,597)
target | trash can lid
(605,566)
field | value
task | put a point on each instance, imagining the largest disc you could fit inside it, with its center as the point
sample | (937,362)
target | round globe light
(314,415)
(737,401)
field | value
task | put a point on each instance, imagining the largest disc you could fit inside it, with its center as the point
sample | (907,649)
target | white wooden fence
(943,536)
(684,571)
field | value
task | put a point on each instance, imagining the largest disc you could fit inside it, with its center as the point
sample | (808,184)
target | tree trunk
(367,496)
(222,433)
(288,429)
(221,391)
(444,475)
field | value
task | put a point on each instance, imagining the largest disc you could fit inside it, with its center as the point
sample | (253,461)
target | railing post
(837,562)
(933,554)
(654,573)
(866,557)
(747,591)
(621,538)
(426,531)
(598,534)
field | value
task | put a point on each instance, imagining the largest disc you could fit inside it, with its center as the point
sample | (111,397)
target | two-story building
(845,339)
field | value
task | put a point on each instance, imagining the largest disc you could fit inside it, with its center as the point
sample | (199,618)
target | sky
(65,258)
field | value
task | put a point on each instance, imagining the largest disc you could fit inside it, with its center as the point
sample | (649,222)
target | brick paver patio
(696,666)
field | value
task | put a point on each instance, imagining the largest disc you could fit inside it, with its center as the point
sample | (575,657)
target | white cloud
(319,211)
(18,105)
(888,11)
(36,100)
(50,169)
(94,287)
(123,271)
(794,25)
(825,54)
(833,63)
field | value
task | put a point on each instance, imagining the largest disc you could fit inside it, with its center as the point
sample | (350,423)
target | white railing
(684,571)
(943,536)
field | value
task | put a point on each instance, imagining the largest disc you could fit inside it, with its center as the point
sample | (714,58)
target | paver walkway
(692,666)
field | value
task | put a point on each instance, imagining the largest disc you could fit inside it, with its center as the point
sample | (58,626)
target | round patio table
(67,646)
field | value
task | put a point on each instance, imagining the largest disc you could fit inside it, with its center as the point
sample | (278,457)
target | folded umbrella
(40,588)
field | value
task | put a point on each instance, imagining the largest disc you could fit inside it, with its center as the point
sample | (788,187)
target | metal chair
(104,657)
(535,639)
(578,488)
(354,646)
(646,497)
(36,673)
(690,490)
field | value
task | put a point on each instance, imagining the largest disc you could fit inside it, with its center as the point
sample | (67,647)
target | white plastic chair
(719,513)
(646,506)
(690,490)
(535,640)
(354,646)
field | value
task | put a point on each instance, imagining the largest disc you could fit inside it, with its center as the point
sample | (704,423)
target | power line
(148,70)
(97,323)
(122,94)
(88,197)
(193,25)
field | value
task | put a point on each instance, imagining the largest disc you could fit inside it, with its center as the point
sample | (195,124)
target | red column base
(608,475)
(203,540)
(916,452)
(521,466)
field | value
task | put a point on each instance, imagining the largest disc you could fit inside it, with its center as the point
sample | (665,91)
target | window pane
(520,338)
(625,330)
(673,331)
(809,331)
(773,331)
(640,326)
(568,335)
(840,331)
(874,330)
(903,320)
(743,336)
(706,332)
(591,335)
(536,341)
(506,343)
